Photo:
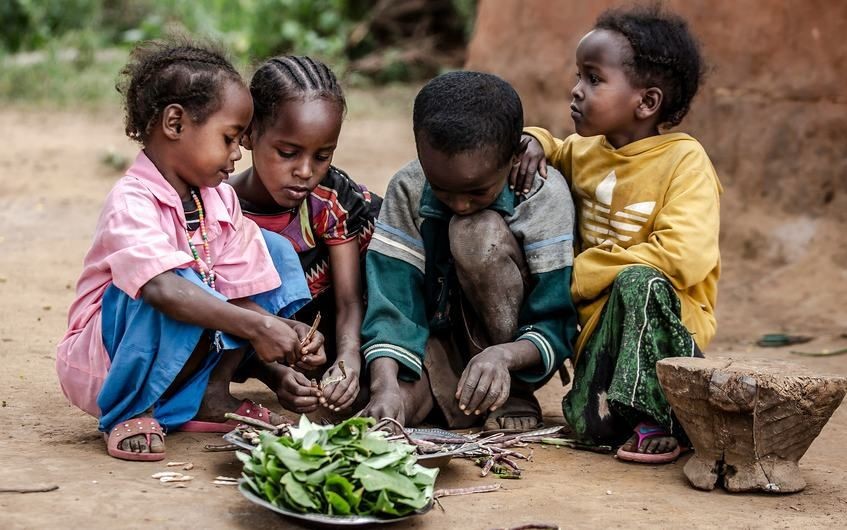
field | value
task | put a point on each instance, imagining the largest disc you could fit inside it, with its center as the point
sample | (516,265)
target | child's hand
(340,395)
(485,382)
(312,354)
(296,392)
(276,341)
(531,160)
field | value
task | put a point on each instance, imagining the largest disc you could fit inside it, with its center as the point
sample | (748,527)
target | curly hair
(289,77)
(463,111)
(664,54)
(162,73)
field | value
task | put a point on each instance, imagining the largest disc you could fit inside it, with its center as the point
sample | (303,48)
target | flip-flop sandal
(247,408)
(645,431)
(120,432)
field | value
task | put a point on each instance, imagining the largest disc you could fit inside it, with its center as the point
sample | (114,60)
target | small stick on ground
(163,474)
(184,478)
(211,448)
(450,492)
(573,444)
(385,421)
(253,422)
(536,526)
(37,489)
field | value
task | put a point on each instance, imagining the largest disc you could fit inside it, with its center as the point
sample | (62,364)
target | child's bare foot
(138,444)
(387,403)
(651,444)
(518,413)
(218,401)
(139,439)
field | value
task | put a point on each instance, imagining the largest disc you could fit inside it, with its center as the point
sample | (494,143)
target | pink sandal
(247,408)
(120,432)
(645,431)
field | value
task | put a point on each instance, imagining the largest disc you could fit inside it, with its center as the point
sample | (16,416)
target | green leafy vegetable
(338,470)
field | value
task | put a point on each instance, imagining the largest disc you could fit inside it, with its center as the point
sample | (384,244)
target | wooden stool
(750,421)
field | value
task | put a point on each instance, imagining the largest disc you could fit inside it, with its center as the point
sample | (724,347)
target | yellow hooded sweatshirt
(653,202)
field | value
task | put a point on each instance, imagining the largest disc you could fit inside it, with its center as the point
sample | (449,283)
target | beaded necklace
(208,279)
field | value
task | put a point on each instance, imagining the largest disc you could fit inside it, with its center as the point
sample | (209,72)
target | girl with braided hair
(645,278)
(178,284)
(294,190)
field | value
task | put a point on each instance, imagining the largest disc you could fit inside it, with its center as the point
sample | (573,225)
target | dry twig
(450,492)
(35,489)
(275,429)
(312,330)
(212,448)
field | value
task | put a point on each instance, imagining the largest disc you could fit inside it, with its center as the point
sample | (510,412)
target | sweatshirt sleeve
(684,241)
(557,151)
(395,323)
(544,223)
(548,319)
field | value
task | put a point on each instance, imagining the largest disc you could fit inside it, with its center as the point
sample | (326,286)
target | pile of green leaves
(338,470)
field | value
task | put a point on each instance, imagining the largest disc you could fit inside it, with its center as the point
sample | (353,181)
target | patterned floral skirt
(615,384)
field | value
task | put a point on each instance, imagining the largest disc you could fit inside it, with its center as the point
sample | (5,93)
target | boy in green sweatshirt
(469,307)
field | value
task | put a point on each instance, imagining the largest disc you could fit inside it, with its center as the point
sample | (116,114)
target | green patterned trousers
(615,384)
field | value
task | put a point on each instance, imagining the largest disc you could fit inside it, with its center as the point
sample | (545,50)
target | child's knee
(479,239)
(639,276)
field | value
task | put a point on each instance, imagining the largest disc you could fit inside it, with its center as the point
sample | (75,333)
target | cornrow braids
(289,77)
(162,73)
(664,54)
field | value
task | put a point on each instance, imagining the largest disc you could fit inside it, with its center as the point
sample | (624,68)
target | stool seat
(749,421)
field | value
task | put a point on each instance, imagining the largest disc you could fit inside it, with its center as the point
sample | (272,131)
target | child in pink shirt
(178,284)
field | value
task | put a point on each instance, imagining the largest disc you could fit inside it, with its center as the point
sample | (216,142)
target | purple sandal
(645,431)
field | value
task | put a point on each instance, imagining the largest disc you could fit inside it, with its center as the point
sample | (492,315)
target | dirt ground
(52,186)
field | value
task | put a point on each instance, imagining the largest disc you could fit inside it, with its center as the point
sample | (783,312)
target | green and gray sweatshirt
(412,283)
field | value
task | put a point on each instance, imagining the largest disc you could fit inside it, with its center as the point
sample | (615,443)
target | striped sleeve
(544,223)
(548,319)
(395,323)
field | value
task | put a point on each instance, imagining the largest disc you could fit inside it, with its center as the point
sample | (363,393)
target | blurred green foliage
(62,50)
(253,29)
(249,28)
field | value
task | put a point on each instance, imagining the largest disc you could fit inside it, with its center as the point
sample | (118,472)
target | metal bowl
(317,520)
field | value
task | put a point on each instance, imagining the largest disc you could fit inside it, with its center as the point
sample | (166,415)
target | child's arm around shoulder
(538,147)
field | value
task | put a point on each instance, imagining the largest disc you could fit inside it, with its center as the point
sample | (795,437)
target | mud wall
(772,112)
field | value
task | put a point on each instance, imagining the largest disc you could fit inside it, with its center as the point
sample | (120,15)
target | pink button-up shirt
(141,234)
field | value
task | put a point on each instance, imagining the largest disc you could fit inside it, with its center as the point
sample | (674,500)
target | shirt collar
(145,171)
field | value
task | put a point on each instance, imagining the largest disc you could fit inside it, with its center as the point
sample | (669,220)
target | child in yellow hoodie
(645,279)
